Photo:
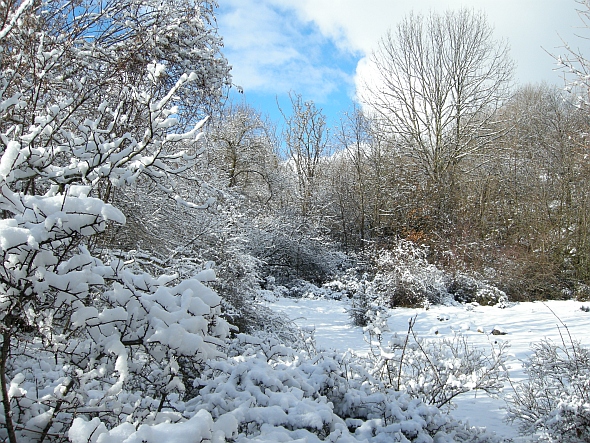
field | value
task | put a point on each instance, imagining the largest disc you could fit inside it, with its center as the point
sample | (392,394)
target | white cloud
(273,51)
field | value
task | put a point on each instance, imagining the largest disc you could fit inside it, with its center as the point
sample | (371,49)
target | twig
(411,324)
(562,339)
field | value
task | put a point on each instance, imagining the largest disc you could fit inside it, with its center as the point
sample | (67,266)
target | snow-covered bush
(582,292)
(402,276)
(467,289)
(405,277)
(292,248)
(338,289)
(399,276)
(238,279)
(360,305)
(554,401)
(364,309)
(268,392)
(84,113)
(436,371)
(272,393)
(81,336)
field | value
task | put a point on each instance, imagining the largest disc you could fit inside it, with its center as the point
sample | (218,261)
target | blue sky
(313,47)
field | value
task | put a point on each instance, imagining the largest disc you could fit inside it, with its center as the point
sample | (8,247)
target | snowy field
(522,323)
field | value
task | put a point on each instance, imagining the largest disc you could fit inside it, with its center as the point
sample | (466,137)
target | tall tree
(575,65)
(306,138)
(360,172)
(438,82)
(243,151)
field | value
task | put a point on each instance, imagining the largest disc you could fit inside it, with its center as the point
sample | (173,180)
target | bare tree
(306,137)
(574,64)
(360,173)
(536,194)
(243,151)
(354,136)
(439,80)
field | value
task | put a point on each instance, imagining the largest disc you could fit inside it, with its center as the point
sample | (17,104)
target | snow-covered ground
(522,323)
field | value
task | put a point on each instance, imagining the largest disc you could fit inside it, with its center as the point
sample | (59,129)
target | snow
(522,323)
(195,429)
(9,158)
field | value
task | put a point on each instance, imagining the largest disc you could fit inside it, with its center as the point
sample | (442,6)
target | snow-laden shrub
(404,277)
(304,289)
(269,392)
(85,112)
(400,276)
(237,283)
(467,289)
(84,336)
(348,283)
(293,248)
(582,292)
(554,400)
(436,370)
(135,348)
(361,306)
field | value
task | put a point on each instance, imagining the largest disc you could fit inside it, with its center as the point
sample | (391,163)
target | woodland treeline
(515,211)
(445,152)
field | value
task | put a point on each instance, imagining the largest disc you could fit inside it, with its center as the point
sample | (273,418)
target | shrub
(582,292)
(274,393)
(435,371)
(405,277)
(467,289)
(555,399)
(291,249)
(359,309)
